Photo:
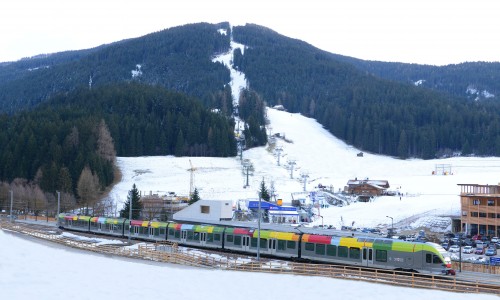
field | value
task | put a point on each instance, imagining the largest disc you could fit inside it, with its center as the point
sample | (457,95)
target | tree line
(69,144)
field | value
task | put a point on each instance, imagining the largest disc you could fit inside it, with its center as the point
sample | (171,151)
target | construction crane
(191,181)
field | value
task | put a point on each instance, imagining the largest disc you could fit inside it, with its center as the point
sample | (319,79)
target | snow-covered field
(428,199)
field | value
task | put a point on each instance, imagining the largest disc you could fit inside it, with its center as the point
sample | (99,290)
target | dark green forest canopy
(142,120)
(177,58)
(371,113)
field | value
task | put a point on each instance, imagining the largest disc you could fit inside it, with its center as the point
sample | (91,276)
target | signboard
(495,261)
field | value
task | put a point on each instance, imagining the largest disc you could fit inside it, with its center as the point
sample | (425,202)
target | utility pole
(11,203)
(58,207)
(258,234)
(129,219)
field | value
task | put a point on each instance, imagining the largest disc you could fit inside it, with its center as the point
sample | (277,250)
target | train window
(381,255)
(281,245)
(230,238)
(210,237)
(253,243)
(354,253)
(331,250)
(320,249)
(309,247)
(178,234)
(343,251)
(263,243)
(171,231)
(216,237)
(290,244)
(436,260)
(237,240)
(189,235)
(369,240)
(428,258)
(196,236)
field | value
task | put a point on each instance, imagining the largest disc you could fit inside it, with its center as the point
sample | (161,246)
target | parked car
(445,245)
(495,239)
(454,248)
(479,251)
(468,249)
(490,252)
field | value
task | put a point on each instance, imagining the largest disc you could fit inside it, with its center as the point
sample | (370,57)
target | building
(480,207)
(161,207)
(367,188)
(210,211)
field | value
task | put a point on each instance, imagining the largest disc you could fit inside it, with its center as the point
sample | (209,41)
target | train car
(108,226)
(209,236)
(74,222)
(146,230)
(272,243)
(380,253)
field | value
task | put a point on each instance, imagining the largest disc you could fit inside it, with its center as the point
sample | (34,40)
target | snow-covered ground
(429,200)
(33,270)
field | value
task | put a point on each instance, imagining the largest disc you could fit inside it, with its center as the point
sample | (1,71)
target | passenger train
(279,241)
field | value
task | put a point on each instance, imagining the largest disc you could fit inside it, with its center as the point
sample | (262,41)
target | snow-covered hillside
(327,161)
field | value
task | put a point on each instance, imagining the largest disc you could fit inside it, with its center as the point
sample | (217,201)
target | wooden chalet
(367,188)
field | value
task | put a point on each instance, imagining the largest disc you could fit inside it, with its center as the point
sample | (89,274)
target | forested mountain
(178,59)
(367,111)
(86,128)
(370,105)
(471,80)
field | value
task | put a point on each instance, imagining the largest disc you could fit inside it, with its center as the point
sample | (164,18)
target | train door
(271,246)
(183,236)
(245,243)
(99,227)
(151,232)
(367,257)
(136,230)
(203,238)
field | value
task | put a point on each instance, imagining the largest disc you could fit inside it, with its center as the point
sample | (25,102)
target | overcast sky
(425,31)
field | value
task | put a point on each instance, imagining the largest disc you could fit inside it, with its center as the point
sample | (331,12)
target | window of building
(491,202)
(476,202)
(482,215)
(205,209)
(474,214)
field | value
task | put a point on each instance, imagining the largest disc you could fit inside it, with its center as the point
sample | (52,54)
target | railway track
(171,253)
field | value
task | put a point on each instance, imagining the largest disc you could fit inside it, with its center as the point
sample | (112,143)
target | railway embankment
(167,252)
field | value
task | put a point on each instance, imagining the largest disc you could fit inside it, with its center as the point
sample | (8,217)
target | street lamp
(392,225)
(58,207)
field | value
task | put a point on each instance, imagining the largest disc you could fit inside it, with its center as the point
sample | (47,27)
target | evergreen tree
(263,192)
(134,198)
(194,197)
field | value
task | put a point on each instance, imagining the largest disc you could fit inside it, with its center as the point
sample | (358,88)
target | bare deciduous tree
(105,145)
(87,188)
